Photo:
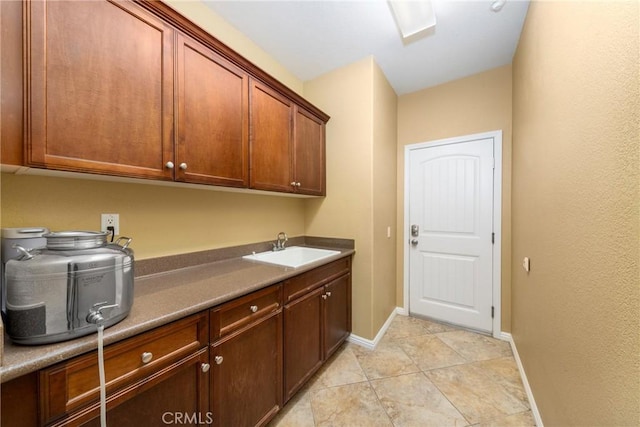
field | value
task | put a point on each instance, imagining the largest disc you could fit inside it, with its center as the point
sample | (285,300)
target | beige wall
(475,104)
(354,146)
(161,220)
(576,315)
(385,114)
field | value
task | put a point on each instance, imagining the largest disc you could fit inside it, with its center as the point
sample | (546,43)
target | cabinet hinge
(492,311)
(493,238)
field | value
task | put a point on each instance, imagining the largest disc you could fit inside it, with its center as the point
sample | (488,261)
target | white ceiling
(311,37)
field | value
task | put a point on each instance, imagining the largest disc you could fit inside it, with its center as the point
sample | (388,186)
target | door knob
(169,165)
(218,360)
(183,166)
(414,242)
(253,308)
(205,367)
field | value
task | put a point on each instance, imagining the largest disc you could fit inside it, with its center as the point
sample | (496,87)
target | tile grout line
(397,345)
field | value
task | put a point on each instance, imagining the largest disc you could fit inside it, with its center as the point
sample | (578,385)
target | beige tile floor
(421,374)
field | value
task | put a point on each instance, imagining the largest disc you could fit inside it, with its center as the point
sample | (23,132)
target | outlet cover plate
(110,220)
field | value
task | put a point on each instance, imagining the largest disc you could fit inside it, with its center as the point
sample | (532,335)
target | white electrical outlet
(110,220)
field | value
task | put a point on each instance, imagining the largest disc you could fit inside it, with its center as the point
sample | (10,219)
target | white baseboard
(504,336)
(372,344)
(527,388)
(402,311)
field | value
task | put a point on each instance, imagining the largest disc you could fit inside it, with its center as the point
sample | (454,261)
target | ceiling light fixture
(413,16)
(497,5)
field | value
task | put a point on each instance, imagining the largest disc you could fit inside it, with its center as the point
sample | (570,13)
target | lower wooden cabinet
(316,323)
(303,353)
(234,365)
(337,313)
(247,374)
(177,394)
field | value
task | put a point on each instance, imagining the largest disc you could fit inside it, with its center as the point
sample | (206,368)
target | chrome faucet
(281,239)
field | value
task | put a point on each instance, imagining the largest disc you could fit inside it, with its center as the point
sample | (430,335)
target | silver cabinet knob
(414,242)
(328,294)
(253,308)
(146,357)
(293,183)
(183,166)
(205,367)
(169,165)
(324,296)
(218,359)
(297,184)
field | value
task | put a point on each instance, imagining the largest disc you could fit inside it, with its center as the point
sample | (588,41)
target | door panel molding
(497,216)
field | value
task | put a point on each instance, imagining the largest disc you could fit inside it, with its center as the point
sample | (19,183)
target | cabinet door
(337,320)
(309,154)
(11,83)
(99,88)
(247,374)
(178,394)
(303,353)
(270,139)
(213,117)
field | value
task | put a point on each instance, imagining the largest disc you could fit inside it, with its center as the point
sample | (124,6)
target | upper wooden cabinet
(309,153)
(212,124)
(270,127)
(100,88)
(287,144)
(132,88)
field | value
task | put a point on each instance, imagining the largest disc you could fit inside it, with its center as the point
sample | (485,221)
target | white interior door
(450,248)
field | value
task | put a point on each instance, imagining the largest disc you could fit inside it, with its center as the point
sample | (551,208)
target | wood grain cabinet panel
(100,88)
(270,139)
(337,319)
(287,144)
(303,353)
(74,384)
(317,322)
(212,117)
(178,394)
(242,311)
(247,374)
(309,164)
(11,84)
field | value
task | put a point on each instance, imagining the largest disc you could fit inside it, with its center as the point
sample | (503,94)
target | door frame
(497,216)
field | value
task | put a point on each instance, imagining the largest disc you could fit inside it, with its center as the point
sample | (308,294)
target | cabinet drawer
(75,383)
(234,315)
(297,286)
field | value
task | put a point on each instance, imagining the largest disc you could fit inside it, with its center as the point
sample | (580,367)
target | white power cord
(103,386)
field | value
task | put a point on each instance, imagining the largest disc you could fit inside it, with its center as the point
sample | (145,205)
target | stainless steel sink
(295,256)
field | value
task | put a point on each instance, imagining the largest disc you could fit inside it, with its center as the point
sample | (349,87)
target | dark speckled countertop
(161,298)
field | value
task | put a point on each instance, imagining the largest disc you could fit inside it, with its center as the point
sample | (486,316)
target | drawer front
(75,383)
(234,315)
(297,286)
